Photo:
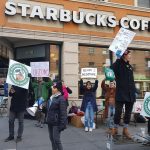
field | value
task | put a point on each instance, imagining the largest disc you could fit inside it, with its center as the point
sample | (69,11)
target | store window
(143,3)
(141,65)
(55,62)
(94,57)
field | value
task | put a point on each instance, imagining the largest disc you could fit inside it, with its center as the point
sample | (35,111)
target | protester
(89,105)
(41,91)
(125,92)
(110,91)
(56,115)
(66,92)
(17,109)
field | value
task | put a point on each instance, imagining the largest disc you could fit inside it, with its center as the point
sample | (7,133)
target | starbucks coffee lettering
(77,17)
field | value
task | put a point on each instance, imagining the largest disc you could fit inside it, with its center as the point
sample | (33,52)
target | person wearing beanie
(56,115)
(89,105)
(125,92)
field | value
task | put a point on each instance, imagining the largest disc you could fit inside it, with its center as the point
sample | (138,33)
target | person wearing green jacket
(41,91)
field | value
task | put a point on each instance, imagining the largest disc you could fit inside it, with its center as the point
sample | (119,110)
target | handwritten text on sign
(88,72)
(40,69)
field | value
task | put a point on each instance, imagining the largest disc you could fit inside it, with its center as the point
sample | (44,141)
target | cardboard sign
(40,69)
(88,72)
(18,74)
(121,41)
(146,105)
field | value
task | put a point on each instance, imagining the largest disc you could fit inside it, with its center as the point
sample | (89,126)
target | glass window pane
(140,60)
(94,57)
(144,3)
(54,61)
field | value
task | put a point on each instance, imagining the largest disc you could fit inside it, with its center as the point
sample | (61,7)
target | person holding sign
(17,109)
(125,92)
(89,105)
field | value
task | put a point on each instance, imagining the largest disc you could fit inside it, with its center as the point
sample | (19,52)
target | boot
(126,133)
(114,131)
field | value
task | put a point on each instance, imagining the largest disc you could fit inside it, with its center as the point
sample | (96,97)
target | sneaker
(41,126)
(86,129)
(37,124)
(10,138)
(18,139)
(90,129)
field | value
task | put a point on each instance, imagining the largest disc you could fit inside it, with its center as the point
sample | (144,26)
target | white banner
(146,105)
(121,41)
(88,72)
(18,74)
(40,69)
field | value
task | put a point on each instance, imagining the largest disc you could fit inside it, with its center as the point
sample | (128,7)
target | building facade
(73,34)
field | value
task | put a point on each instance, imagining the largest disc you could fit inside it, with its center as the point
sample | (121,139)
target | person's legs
(20,116)
(57,141)
(117,117)
(51,136)
(111,112)
(118,112)
(54,135)
(87,117)
(91,116)
(127,116)
(12,116)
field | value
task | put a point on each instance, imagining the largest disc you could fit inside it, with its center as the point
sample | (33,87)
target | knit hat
(58,85)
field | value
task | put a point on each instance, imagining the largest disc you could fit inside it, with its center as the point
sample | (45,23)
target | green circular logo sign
(147,105)
(18,74)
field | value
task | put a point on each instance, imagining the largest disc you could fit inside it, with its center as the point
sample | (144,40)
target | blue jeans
(110,119)
(89,115)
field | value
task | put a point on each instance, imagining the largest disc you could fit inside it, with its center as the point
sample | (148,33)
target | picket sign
(122,40)
(146,105)
(88,72)
(18,74)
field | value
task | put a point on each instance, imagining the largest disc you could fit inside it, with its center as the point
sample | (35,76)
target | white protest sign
(137,107)
(121,41)
(88,72)
(146,105)
(40,69)
(18,74)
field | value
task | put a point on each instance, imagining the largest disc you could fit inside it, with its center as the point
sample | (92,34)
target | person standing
(17,109)
(41,91)
(66,92)
(89,105)
(56,115)
(110,91)
(125,92)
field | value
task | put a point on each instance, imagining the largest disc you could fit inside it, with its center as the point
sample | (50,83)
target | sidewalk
(35,138)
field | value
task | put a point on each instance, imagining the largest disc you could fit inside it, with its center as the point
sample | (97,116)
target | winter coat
(45,89)
(57,112)
(125,86)
(18,99)
(109,93)
(89,96)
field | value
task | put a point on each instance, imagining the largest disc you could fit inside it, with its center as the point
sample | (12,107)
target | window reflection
(54,61)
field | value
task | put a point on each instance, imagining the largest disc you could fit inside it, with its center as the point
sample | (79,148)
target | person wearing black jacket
(89,105)
(17,108)
(56,115)
(125,92)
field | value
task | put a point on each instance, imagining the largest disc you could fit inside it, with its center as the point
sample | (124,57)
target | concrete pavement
(35,138)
